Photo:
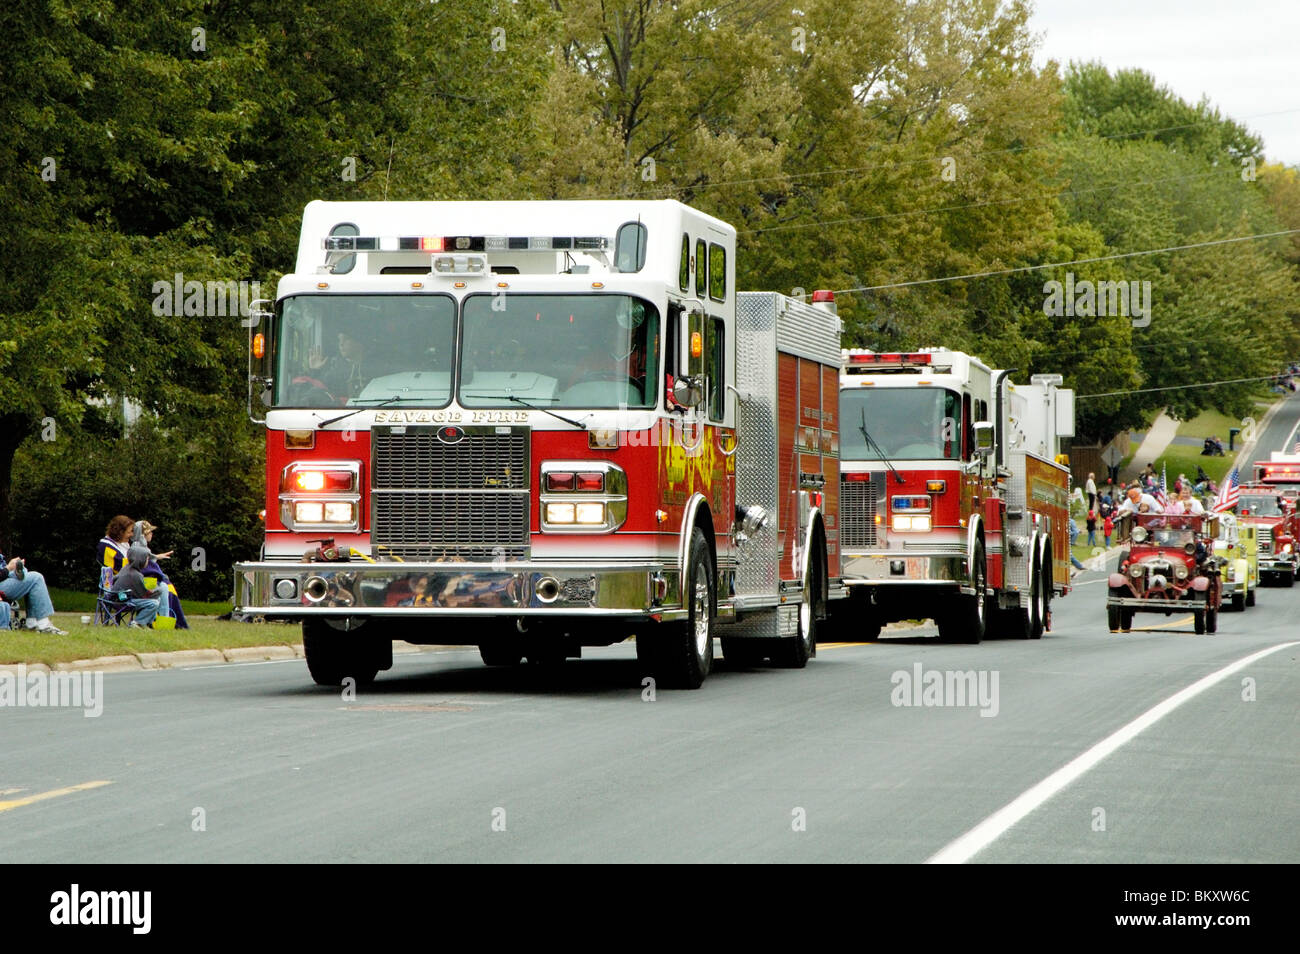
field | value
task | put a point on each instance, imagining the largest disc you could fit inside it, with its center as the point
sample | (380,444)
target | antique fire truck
(1170,567)
(954,495)
(537,426)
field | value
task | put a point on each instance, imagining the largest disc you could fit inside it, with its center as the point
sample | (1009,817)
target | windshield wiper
(537,407)
(358,410)
(872,441)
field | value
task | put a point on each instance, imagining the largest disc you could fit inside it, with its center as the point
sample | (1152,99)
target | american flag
(1227,498)
(1162,498)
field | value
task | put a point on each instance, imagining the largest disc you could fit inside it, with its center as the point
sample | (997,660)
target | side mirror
(984,438)
(687,392)
(690,360)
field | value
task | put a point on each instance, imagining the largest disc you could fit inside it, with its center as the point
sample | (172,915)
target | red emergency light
(899,358)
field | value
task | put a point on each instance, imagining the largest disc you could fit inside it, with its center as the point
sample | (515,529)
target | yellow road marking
(840,645)
(20,802)
(1178,622)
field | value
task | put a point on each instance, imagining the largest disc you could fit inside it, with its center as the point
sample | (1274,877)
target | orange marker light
(697,344)
(259,345)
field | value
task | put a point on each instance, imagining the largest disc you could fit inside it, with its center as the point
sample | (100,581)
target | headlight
(1180,572)
(590,513)
(309,512)
(1139,534)
(338,512)
(559,513)
(1135,570)
(910,523)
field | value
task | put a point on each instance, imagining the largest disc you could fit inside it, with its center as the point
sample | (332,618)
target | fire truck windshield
(559,351)
(908,423)
(1260,505)
(364,350)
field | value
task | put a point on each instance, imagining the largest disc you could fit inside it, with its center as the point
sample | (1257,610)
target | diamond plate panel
(756,463)
(1015,569)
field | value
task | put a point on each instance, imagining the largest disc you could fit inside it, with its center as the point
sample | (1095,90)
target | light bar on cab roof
(892,357)
(466,243)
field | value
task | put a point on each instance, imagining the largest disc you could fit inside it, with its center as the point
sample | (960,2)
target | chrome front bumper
(1276,566)
(907,569)
(456,589)
(1158,604)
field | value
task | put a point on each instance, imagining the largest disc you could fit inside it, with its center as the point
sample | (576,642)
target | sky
(1243,54)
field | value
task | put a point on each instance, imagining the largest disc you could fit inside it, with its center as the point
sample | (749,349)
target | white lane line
(990,829)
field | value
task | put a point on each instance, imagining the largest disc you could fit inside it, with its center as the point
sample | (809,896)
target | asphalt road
(442,753)
(446,760)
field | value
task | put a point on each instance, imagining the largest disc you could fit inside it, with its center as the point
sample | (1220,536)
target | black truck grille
(434,500)
(857,514)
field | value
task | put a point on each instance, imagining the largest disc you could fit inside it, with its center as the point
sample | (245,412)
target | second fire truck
(954,497)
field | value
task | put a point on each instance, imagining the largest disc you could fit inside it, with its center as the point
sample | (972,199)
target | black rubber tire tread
(1198,621)
(743,653)
(501,652)
(677,664)
(964,623)
(333,655)
(793,652)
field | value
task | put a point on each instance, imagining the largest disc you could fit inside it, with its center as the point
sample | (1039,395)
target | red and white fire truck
(1280,471)
(954,497)
(1271,509)
(537,426)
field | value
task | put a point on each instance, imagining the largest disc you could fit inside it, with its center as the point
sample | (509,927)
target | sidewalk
(1158,438)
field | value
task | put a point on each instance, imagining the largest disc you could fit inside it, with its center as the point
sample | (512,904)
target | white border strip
(990,829)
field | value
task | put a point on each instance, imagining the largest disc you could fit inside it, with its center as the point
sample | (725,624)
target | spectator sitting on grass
(131,581)
(16,581)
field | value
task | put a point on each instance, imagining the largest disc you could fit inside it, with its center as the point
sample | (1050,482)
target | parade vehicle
(1272,513)
(538,426)
(1281,471)
(1168,568)
(1236,546)
(954,495)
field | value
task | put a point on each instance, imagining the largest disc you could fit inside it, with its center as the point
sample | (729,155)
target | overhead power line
(1181,387)
(1077,261)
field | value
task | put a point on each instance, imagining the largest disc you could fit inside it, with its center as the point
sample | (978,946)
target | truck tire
(741,652)
(1250,594)
(1198,621)
(793,652)
(501,652)
(966,621)
(1126,618)
(684,654)
(334,654)
(1113,618)
(1239,602)
(1286,578)
(1037,602)
(1212,620)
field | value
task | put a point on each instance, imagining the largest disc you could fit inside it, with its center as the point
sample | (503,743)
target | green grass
(72,601)
(87,642)
(1207,423)
(1184,460)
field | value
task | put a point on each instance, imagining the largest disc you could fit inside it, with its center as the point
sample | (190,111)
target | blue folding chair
(111,606)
